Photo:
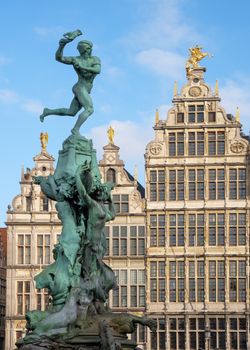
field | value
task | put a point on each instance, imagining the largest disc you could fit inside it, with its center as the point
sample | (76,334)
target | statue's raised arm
(86,67)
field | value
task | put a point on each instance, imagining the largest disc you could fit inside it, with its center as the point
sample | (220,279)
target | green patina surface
(78,281)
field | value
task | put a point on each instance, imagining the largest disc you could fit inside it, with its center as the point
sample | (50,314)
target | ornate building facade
(197,219)
(180,250)
(3,256)
(33,228)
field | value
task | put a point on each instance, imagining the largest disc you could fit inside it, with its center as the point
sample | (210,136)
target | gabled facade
(197,209)
(33,228)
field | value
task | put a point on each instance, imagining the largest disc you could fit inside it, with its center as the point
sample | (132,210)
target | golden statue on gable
(195,57)
(111,134)
(44,138)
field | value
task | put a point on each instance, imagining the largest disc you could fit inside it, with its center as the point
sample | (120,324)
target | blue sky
(143,45)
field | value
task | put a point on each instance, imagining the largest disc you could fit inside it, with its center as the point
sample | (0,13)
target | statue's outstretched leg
(75,107)
(87,103)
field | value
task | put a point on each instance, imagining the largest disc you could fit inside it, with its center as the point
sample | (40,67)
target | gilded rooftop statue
(195,57)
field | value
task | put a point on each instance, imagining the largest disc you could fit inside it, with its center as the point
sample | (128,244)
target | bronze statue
(86,67)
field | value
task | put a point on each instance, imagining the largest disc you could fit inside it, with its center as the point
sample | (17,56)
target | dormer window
(196,113)
(111,175)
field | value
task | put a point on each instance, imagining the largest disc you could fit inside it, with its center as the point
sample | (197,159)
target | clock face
(195,91)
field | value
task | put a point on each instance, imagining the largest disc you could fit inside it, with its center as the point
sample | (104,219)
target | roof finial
(111,134)
(136,174)
(237,115)
(175,88)
(156,117)
(216,89)
(195,56)
(44,138)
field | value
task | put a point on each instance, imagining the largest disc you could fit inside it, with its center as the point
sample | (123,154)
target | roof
(140,188)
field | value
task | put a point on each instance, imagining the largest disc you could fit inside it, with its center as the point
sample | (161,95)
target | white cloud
(162,62)
(8,96)
(113,72)
(11,97)
(49,31)
(164,31)
(236,93)
(32,106)
(164,26)
(132,138)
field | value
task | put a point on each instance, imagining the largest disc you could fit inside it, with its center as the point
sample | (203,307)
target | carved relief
(237,147)
(155,148)
(135,200)
(195,91)
(111,158)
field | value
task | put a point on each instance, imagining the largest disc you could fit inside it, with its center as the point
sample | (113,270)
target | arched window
(111,175)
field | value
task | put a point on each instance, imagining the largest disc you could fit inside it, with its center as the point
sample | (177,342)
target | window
(176,281)
(28,203)
(176,185)
(216,229)
(176,230)
(237,183)
(216,143)
(23,297)
(237,229)
(43,249)
(121,203)
(211,117)
(237,274)
(137,240)
(44,203)
(195,184)
(177,333)
(120,238)
(216,281)
(216,184)
(139,335)
(158,338)
(237,330)
(217,328)
(157,185)
(157,281)
(196,230)
(42,299)
(24,249)
(196,281)
(196,113)
(195,143)
(137,288)
(107,233)
(176,144)
(157,230)
(180,118)
(111,175)
(120,294)
(197,333)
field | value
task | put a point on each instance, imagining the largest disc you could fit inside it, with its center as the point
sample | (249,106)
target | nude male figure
(86,67)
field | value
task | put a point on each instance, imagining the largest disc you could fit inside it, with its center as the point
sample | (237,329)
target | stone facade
(197,213)
(180,251)
(3,255)
(33,229)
